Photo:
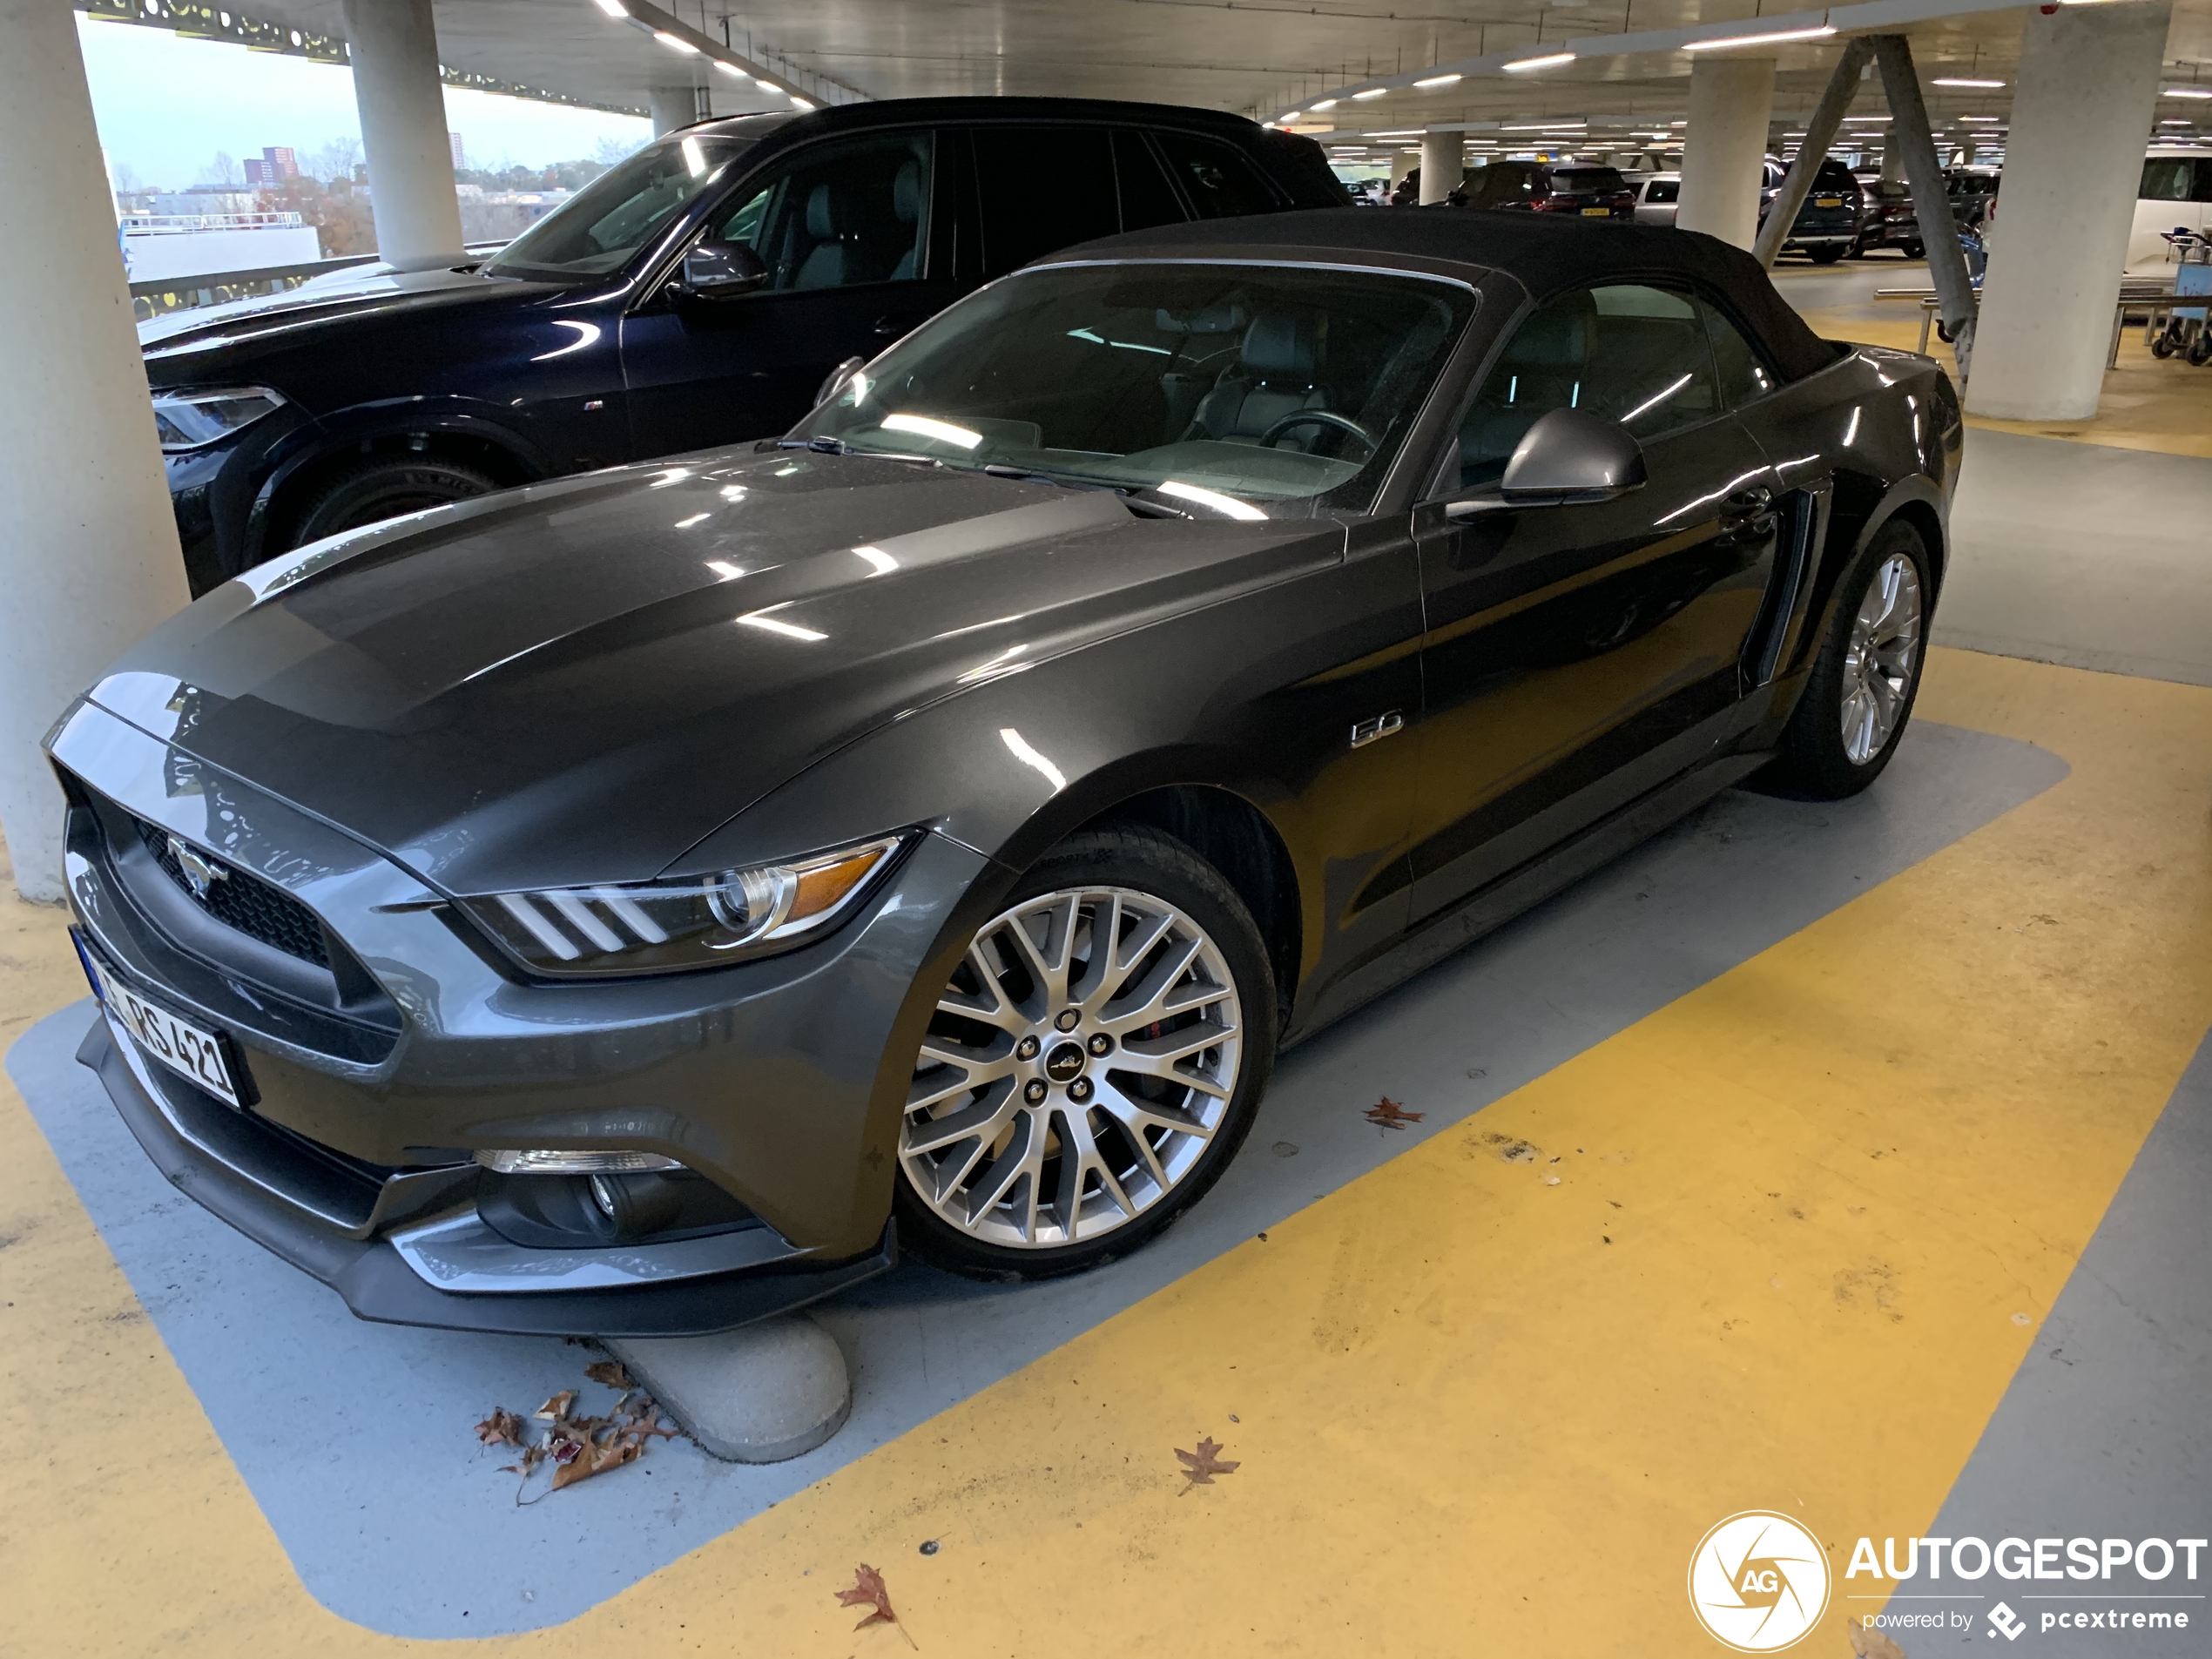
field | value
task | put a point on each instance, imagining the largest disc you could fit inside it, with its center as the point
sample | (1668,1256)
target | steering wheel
(1307,417)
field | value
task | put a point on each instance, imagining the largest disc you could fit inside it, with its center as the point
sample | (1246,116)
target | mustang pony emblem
(201,873)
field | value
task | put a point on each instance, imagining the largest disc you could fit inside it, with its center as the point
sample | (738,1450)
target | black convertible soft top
(1545,253)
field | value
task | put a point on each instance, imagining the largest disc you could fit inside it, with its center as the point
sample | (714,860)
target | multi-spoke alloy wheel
(1082,1062)
(1858,695)
(1883,656)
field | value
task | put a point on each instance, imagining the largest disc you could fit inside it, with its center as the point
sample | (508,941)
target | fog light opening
(603,1195)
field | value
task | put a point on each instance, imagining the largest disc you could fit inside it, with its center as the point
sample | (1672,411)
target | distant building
(459,155)
(275,163)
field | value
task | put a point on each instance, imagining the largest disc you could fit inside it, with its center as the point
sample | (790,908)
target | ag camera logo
(1758,1582)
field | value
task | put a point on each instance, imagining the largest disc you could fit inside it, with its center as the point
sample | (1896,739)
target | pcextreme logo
(1758,1582)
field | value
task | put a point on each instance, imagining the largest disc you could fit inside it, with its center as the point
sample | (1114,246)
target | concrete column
(1820,131)
(1892,155)
(394,48)
(88,547)
(1731,105)
(2084,104)
(672,107)
(1442,165)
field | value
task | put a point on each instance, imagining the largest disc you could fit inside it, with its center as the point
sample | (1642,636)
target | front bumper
(373,1078)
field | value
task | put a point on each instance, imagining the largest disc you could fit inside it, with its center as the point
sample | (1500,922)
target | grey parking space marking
(355,1440)
(2106,1431)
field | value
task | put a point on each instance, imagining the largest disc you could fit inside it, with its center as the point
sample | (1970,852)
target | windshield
(602,225)
(1225,388)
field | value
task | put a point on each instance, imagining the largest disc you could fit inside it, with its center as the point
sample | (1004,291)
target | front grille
(245,901)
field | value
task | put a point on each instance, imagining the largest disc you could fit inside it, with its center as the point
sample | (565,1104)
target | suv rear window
(1219,182)
(1600,179)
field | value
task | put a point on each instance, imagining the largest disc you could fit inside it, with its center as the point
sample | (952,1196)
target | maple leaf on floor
(1390,1115)
(611,1372)
(869,1591)
(556,1410)
(503,1427)
(1202,1465)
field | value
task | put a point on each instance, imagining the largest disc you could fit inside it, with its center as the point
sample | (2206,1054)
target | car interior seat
(1277,373)
(906,209)
(826,261)
(1541,370)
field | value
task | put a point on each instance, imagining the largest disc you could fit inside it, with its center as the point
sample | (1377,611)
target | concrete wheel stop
(758,1394)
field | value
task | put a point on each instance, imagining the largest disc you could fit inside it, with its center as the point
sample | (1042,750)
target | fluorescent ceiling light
(675,43)
(1325,104)
(798,103)
(1977,117)
(731,68)
(1436,80)
(612,8)
(1860,120)
(2187,92)
(1523,65)
(1548,126)
(1775,38)
(766,86)
(1953,80)
(1372,92)
(2171,122)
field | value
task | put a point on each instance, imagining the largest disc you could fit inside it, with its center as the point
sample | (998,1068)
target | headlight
(189,419)
(685,921)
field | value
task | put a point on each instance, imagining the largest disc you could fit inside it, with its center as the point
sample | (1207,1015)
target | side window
(1042,188)
(1743,376)
(1219,183)
(839,215)
(1639,355)
(1662,190)
(2168,178)
(1147,198)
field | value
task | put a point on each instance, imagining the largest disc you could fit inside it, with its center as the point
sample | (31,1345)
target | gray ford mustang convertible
(638,903)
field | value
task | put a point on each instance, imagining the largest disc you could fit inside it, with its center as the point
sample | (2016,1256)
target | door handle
(1748,503)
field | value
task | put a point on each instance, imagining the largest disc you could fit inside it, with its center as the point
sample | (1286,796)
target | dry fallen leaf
(1390,1115)
(1202,1465)
(503,1427)
(611,1372)
(869,1591)
(556,1410)
(1872,1644)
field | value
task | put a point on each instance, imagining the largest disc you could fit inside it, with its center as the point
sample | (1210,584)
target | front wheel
(1860,692)
(1827,255)
(1093,1065)
(2200,348)
(386,487)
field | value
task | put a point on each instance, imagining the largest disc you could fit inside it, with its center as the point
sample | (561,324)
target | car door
(1040,186)
(1577,656)
(845,227)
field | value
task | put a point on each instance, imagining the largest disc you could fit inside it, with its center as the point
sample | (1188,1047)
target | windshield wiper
(838,447)
(1129,493)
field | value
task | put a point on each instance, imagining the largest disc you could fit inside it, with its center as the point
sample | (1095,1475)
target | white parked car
(2175,193)
(1658,194)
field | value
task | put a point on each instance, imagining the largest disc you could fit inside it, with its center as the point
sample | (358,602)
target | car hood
(338,298)
(578,681)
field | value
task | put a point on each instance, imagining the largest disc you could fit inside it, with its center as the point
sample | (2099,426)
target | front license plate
(1597,212)
(201,1057)
(1828,201)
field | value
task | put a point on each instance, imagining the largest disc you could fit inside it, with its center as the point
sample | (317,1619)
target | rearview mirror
(1573,456)
(721,270)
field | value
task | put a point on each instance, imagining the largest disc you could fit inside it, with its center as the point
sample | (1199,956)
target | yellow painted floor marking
(1796,1212)
(2146,404)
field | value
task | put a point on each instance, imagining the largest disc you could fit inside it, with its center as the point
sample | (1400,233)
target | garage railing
(164,294)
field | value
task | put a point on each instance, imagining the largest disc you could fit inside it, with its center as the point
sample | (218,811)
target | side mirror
(1573,456)
(721,270)
(837,378)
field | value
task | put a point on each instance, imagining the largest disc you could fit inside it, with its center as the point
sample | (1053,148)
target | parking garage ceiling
(1257,56)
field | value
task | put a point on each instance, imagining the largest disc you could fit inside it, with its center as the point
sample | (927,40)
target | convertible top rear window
(1231,387)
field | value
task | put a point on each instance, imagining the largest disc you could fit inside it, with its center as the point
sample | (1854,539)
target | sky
(165,105)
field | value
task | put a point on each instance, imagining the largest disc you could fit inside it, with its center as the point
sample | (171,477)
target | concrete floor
(1844,1160)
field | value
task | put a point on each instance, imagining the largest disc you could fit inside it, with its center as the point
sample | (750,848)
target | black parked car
(1827,226)
(610,331)
(1585,188)
(603,906)
(1887,218)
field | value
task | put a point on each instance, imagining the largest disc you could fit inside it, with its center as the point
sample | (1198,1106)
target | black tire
(384,487)
(1813,761)
(1915,250)
(2163,345)
(1143,860)
(1827,255)
(2200,349)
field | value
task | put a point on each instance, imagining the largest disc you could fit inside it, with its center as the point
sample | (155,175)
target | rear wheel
(384,487)
(1860,692)
(2200,348)
(1093,1065)
(1827,255)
